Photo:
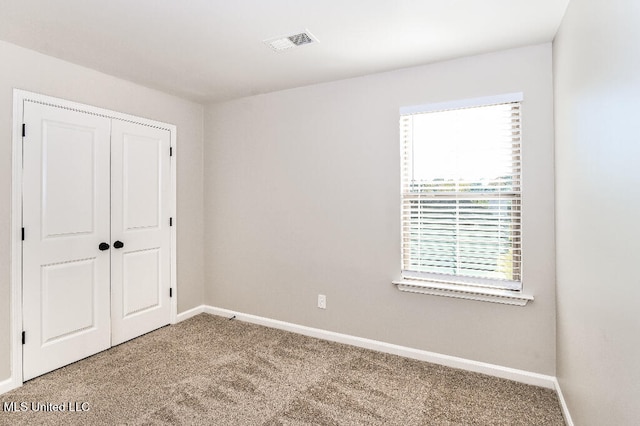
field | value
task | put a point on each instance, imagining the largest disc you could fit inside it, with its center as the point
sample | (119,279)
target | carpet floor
(212,371)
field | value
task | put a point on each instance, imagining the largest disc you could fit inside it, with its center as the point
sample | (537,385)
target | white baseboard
(435,358)
(190,313)
(563,403)
(8,385)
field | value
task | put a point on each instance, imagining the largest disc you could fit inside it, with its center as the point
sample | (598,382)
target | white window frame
(483,289)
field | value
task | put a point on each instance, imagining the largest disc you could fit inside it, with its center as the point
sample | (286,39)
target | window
(461,206)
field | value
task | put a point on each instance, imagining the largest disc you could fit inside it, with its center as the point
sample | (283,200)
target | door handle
(118,244)
(103,246)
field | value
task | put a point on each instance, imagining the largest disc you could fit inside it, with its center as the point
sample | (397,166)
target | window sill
(505,297)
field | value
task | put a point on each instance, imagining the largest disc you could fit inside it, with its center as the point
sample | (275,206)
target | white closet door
(66,215)
(140,207)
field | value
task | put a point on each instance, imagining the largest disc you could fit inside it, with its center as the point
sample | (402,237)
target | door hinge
(24,130)
(170,221)
(24,337)
(170,292)
(170,151)
(22,234)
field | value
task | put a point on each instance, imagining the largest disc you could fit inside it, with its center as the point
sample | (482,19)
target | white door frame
(19,97)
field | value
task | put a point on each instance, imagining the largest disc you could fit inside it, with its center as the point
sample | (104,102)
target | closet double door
(96,243)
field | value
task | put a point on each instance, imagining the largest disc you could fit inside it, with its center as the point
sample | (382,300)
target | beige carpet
(212,371)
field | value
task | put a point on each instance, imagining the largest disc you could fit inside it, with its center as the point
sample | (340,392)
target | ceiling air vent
(289,41)
(300,39)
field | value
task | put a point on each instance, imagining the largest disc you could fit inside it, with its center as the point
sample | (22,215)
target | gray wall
(597,93)
(28,70)
(302,197)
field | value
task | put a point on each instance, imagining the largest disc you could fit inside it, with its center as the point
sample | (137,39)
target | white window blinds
(461,205)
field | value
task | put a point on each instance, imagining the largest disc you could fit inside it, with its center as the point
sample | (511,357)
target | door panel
(68,299)
(142,179)
(140,220)
(141,275)
(69,179)
(66,214)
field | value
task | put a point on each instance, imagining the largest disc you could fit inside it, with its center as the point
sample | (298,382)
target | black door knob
(103,246)
(118,244)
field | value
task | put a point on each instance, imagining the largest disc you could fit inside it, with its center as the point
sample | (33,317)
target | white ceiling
(212,50)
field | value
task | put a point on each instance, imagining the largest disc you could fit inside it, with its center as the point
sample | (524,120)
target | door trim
(19,97)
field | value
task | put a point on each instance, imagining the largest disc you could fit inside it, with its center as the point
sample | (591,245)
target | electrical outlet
(322,301)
